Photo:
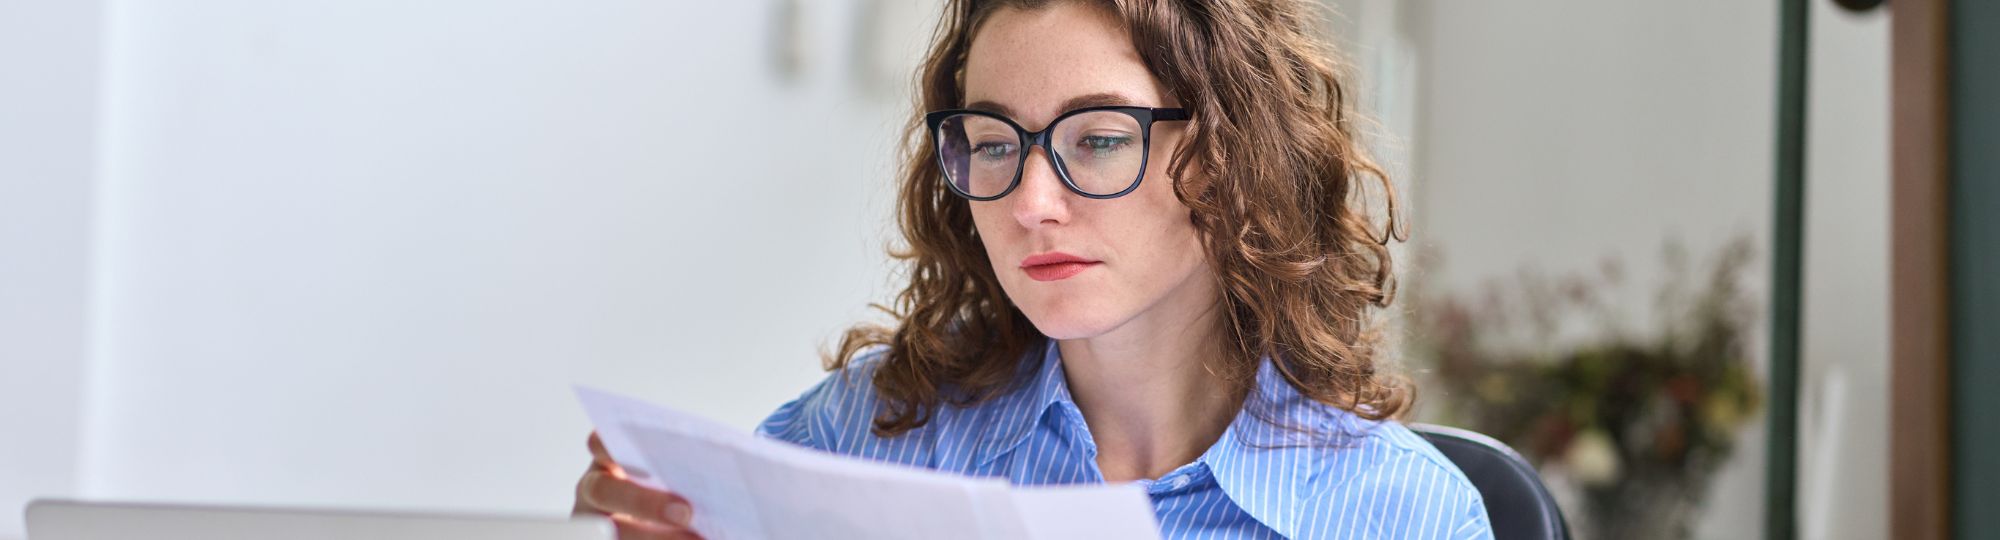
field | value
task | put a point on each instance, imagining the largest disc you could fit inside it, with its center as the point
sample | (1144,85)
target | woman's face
(1145,259)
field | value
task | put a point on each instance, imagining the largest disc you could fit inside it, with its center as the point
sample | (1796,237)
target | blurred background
(354,253)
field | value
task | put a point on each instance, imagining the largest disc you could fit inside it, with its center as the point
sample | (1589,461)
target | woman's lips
(1052,272)
(1055,265)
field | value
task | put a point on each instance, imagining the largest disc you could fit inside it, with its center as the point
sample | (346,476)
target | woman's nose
(1040,200)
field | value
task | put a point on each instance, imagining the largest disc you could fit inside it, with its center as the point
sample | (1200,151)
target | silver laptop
(79,520)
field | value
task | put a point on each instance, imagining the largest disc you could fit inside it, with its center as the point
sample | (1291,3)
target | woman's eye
(1103,145)
(994,150)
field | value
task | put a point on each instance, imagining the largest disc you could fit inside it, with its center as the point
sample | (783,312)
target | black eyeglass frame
(1030,139)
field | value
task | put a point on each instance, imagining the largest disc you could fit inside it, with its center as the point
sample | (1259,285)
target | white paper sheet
(748,488)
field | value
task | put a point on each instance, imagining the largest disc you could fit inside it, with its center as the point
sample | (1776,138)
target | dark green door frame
(1975,268)
(1788,239)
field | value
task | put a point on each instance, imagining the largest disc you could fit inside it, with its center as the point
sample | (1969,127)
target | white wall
(353,253)
(48,94)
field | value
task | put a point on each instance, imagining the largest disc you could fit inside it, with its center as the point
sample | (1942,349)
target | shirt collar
(1018,412)
(1267,470)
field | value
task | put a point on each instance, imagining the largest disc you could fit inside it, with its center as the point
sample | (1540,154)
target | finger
(617,495)
(630,528)
(597,451)
(583,503)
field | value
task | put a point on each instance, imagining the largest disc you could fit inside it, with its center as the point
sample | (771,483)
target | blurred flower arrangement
(1635,426)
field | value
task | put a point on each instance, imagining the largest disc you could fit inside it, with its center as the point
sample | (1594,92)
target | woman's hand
(638,511)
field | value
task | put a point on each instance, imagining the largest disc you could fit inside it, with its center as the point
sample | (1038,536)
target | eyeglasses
(1099,152)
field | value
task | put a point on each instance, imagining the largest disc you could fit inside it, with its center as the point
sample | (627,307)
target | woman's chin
(1073,323)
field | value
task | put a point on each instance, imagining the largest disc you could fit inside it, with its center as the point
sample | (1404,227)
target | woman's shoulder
(1392,480)
(839,414)
(1370,445)
(833,412)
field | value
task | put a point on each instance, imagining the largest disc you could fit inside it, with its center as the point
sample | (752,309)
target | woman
(1133,257)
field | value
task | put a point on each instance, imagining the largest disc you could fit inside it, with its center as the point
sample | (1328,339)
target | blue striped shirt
(1380,480)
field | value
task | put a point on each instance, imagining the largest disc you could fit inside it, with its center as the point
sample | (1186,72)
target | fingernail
(679,513)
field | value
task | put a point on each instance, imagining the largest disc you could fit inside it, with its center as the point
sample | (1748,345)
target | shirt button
(1178,482)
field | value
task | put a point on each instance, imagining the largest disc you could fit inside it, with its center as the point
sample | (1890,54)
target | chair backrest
(1516,501)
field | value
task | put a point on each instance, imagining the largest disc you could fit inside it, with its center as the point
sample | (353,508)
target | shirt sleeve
(824,416)
(1406,496)
(1474,525)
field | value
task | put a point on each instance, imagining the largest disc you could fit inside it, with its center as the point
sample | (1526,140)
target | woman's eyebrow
(992,107)
(1099,99)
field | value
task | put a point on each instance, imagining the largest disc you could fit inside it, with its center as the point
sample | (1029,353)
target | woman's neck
(1147,393)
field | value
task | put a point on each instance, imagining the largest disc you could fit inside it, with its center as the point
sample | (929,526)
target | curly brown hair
(1269,168)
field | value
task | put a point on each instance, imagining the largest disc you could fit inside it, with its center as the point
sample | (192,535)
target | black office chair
(1516,501)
